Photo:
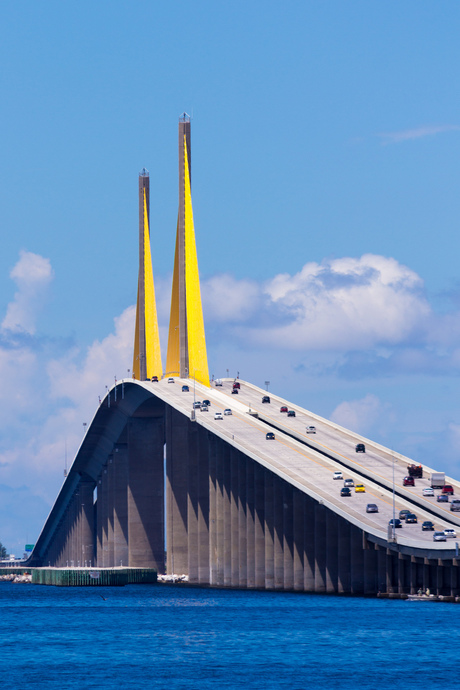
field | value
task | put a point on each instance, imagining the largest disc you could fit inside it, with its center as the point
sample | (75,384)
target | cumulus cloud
(227,299)
(360,415)
(32,275)
(416,133)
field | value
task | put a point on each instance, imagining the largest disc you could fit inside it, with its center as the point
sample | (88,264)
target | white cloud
(32,274)
(343,304)
(227,299)
(359,415)
(417,133)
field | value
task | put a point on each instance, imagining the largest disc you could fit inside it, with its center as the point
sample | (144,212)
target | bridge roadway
(306,466)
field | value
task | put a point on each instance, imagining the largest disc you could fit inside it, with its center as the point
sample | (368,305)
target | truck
(438,479)
(415,471)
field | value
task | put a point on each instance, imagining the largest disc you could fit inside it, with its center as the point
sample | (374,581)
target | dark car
(408,481)
(360,448)
(403,513)
(207,402)
(427,526)
(266,399)
(235,391)
(236,384)
(448,489)
(345,491)
(291,413)
(443,498)
(283,408)
(270,436)
(185,389)
(411,519)
(372,508)
(155,379)
(396,521)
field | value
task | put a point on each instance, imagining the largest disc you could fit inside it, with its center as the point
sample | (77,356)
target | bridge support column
(110,511)
(332,551)
(259,524)
(227,477)
(176,488)
(288,544)
(309,544)
(120,504)
(298,526)
(426,574)
(86,523)
(269,514)
(212,510)
(381,569)
(370,568)
(220,492)
(454,583)
(105,519)
(145,492)
(250,523)
(344,557)
(192,502)
(234,519)
(278,517)
(357,560)
(320,547)
(242,521)
(203,508)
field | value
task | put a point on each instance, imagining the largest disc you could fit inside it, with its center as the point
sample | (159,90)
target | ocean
(174,637)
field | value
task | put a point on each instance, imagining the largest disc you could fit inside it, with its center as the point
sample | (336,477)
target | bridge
(160,482)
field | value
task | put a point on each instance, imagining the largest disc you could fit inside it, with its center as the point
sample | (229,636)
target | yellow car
(359,489)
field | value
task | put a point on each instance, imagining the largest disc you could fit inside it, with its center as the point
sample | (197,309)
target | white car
(218,415)
(227,411)
(337,475)
(311,429)
(450,533)
(428,491)
(171,380)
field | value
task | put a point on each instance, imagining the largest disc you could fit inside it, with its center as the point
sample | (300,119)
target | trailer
(438,479)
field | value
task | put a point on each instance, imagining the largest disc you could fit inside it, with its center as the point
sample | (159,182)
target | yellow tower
(186,355)
(147,354)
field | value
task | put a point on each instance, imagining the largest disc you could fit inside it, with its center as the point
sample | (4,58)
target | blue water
(170,637)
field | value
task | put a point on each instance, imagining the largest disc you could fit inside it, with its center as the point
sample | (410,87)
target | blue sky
(325,149)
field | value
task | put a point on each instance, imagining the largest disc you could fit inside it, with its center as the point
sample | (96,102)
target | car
(185,389)
(348,482)
(171,380)
(235,391)
(204,408)
(427,526)
(207,402)
(411,519)
(227,411)
(345,491)
(403,513)
(396,521)
(443,498)
(359,489)
(428,491)
(218,382)
(408,481)
(372,508)
(270,436)
(450,533)
(154,379)
(455,504)
(291,413)
(196,405)
(311,429)
(283,408)
(236,384)
(218,415)
(439,536)
(337,475)
(360,448)
(448,489)
(266,399)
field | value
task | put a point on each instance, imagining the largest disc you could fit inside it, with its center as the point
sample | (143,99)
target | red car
(236,385)
(448,489)
(408,481)
(283,409)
